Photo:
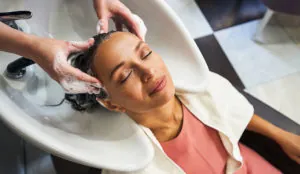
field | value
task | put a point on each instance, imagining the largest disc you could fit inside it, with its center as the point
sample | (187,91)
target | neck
(165,121)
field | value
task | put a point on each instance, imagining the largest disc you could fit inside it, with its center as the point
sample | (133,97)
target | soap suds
(141,25)
(100,26)
(72,85)
(142,29)
(77,46)
(69,82)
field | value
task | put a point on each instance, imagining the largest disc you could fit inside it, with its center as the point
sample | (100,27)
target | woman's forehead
(119,40)
(118,47)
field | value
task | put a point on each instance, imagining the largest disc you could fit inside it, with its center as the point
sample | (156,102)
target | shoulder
(218,88)
(220,99)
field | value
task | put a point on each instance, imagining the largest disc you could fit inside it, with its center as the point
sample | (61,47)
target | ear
(110,106)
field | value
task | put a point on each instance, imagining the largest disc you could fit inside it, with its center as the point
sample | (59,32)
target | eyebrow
(138,45)
(116,68)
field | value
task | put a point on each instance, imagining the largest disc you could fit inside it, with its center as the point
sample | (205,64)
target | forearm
(261,126)
(17,42)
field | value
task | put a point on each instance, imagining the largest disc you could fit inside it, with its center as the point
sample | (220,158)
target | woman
(191,133)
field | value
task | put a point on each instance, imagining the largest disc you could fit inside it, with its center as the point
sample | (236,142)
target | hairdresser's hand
(290,143)
(121,15)
(52,56)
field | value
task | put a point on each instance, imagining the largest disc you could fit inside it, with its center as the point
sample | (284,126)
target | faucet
(17,68)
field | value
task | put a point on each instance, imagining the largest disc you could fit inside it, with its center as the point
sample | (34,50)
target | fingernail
(96,91)
(97,85)
(91,39)
(99,27)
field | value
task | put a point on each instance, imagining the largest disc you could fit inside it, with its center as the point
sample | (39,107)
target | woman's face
(135,77)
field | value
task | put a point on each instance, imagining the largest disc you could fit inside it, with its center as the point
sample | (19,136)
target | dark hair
(83,61)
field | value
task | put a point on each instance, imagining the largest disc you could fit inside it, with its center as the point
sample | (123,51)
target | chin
(165,96)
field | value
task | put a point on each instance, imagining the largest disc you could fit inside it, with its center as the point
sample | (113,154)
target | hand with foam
(52,56)
(121,15)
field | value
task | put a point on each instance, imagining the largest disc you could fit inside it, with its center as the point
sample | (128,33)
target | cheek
(161,66)
(170,85)
(131,94)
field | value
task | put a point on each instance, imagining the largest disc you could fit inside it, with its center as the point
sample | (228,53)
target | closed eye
(147,55)
(124,80)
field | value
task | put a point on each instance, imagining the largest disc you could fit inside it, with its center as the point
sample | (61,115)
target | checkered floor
(223,31)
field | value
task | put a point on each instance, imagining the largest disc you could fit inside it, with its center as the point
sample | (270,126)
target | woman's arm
(259,125)
(289,142)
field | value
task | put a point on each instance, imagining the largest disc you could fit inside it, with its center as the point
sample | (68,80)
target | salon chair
(284,6)
(287,7)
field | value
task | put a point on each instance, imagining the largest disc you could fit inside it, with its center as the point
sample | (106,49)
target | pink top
(198,149)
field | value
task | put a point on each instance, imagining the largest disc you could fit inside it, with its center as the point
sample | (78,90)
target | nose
(147,73)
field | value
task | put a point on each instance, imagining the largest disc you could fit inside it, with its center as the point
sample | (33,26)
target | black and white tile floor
(223,31)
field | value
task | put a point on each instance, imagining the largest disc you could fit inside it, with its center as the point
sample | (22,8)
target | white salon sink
(74,135)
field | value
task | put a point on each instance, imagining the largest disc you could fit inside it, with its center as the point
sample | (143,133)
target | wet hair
(83,61)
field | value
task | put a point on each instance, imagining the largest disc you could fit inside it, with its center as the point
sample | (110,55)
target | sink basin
(99,138)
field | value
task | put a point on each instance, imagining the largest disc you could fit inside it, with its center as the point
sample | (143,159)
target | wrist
(279,135)
(261,126)
(32,49)
(28,47)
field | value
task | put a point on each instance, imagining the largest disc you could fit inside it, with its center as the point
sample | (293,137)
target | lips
(159,85)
